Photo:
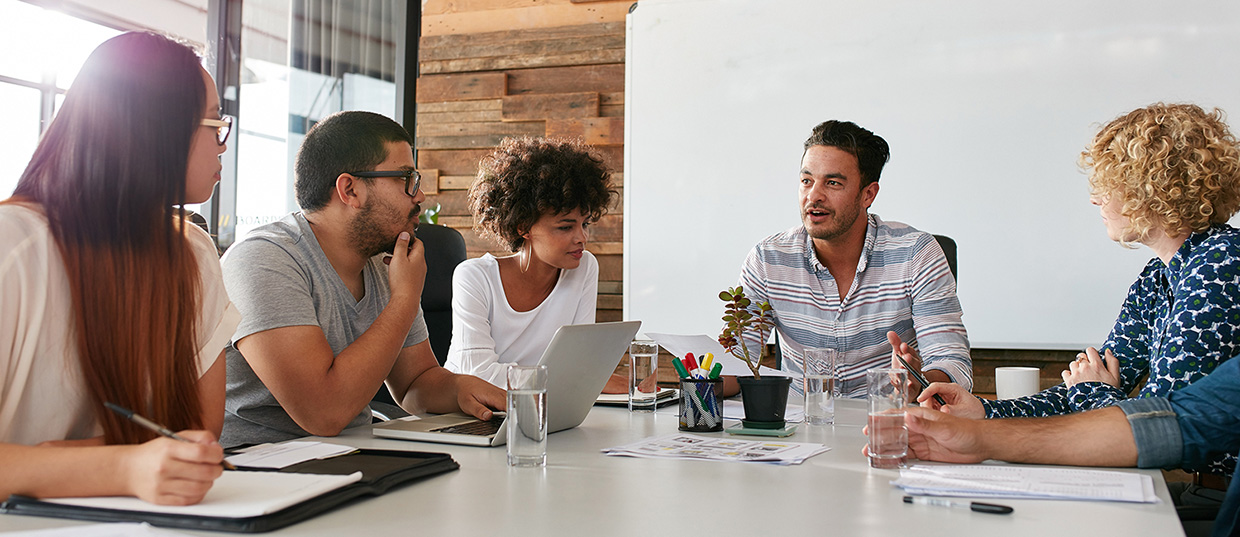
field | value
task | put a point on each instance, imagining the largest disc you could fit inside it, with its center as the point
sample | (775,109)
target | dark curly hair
(526,178)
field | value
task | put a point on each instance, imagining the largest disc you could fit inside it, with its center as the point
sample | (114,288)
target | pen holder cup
(701,411)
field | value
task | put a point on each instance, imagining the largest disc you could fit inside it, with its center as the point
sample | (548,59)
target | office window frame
(224,59)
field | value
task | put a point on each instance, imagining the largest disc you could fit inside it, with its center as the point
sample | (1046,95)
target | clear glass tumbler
(527,415)
(888,435)
(820,386)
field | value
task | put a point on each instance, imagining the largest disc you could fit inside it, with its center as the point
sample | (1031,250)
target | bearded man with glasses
(324,321)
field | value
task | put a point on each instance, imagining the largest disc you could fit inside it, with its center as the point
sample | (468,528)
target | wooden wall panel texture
(551,75)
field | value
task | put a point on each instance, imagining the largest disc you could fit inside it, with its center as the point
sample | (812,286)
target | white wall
(986,107)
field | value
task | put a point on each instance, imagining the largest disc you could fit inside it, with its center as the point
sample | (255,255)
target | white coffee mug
(1013,382)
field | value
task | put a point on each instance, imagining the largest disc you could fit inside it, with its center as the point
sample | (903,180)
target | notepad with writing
(257,501)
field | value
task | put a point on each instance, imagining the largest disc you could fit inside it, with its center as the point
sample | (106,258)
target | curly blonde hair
(1175,167)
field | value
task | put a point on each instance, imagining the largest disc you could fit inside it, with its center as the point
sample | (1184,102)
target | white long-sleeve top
(487,334)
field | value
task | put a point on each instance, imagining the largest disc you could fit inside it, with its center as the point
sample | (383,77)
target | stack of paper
(1004,481)
(277,456)
(688,446)
(622,399)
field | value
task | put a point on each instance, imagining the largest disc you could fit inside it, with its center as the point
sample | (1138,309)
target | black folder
(382,470)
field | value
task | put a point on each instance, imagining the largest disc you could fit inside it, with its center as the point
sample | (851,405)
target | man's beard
(367,234)
(841,221)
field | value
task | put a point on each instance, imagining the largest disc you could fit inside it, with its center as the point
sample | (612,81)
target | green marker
(680,368)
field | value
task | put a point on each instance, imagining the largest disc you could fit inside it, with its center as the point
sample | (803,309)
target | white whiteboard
(986,106)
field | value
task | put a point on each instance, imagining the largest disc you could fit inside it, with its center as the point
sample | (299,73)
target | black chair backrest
(949,250)
(445,249)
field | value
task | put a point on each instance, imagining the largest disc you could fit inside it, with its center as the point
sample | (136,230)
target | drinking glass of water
(527,415)
(821,387)
(888,436)
(643,371)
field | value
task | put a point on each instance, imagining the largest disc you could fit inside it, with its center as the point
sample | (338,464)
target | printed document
(689,446)
(1009,481)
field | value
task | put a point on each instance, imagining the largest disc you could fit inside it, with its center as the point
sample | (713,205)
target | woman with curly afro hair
(537,197)
(1166,176)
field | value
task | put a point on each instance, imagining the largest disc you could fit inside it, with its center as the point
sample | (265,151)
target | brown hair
(526,178)
(108,174)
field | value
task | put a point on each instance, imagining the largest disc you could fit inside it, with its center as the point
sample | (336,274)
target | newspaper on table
(689,446)
(1006,481)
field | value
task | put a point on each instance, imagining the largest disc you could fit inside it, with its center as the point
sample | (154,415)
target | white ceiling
(186,19)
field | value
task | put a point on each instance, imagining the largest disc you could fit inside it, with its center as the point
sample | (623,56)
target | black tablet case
(381,470)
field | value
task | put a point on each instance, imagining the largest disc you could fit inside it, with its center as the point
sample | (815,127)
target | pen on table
(155,427)
(917,376)
(992,508)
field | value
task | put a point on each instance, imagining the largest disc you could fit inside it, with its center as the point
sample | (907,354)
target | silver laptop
(579,360)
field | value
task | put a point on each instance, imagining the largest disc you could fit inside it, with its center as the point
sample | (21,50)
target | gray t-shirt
(279,276)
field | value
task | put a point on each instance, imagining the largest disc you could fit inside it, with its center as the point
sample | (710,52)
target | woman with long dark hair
(109,293)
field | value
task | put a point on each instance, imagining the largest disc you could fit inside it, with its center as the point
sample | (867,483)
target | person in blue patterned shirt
(1166,176)
(847,280)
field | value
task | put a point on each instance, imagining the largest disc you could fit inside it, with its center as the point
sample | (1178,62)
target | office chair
(949,250)
(445,249)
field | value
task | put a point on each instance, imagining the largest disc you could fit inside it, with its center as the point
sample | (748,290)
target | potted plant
(766,398)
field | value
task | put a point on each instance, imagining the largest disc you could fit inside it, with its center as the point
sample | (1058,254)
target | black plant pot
(765,400)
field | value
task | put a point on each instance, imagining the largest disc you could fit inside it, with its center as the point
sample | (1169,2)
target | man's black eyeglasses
(413,179)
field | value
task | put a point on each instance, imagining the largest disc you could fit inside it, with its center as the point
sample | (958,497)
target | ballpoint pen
(917,376)
(155,427)
(992,508)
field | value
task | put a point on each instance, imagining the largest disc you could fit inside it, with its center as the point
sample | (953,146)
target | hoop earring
(526,254)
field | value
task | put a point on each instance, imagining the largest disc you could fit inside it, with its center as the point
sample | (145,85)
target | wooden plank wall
(478,87)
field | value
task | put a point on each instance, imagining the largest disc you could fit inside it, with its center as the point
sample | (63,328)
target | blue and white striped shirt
(903,283)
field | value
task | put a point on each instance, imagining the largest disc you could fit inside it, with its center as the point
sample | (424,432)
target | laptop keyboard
(475,428)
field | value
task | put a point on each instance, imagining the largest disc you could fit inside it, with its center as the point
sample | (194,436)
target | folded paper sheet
(1007,481)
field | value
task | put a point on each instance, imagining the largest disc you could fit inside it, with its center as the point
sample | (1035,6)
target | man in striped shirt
(847,280)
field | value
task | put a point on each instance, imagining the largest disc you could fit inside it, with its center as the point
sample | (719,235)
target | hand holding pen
(899,352)
(157,428)
(178,469)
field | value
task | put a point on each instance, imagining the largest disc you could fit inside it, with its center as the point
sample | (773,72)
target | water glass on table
(643,375)
(888,435)
(820,386)
(527,415)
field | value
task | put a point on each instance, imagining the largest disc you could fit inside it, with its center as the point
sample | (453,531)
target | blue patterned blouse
(1179,322)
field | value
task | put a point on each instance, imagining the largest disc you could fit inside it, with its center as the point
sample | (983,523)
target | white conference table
(583,492)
